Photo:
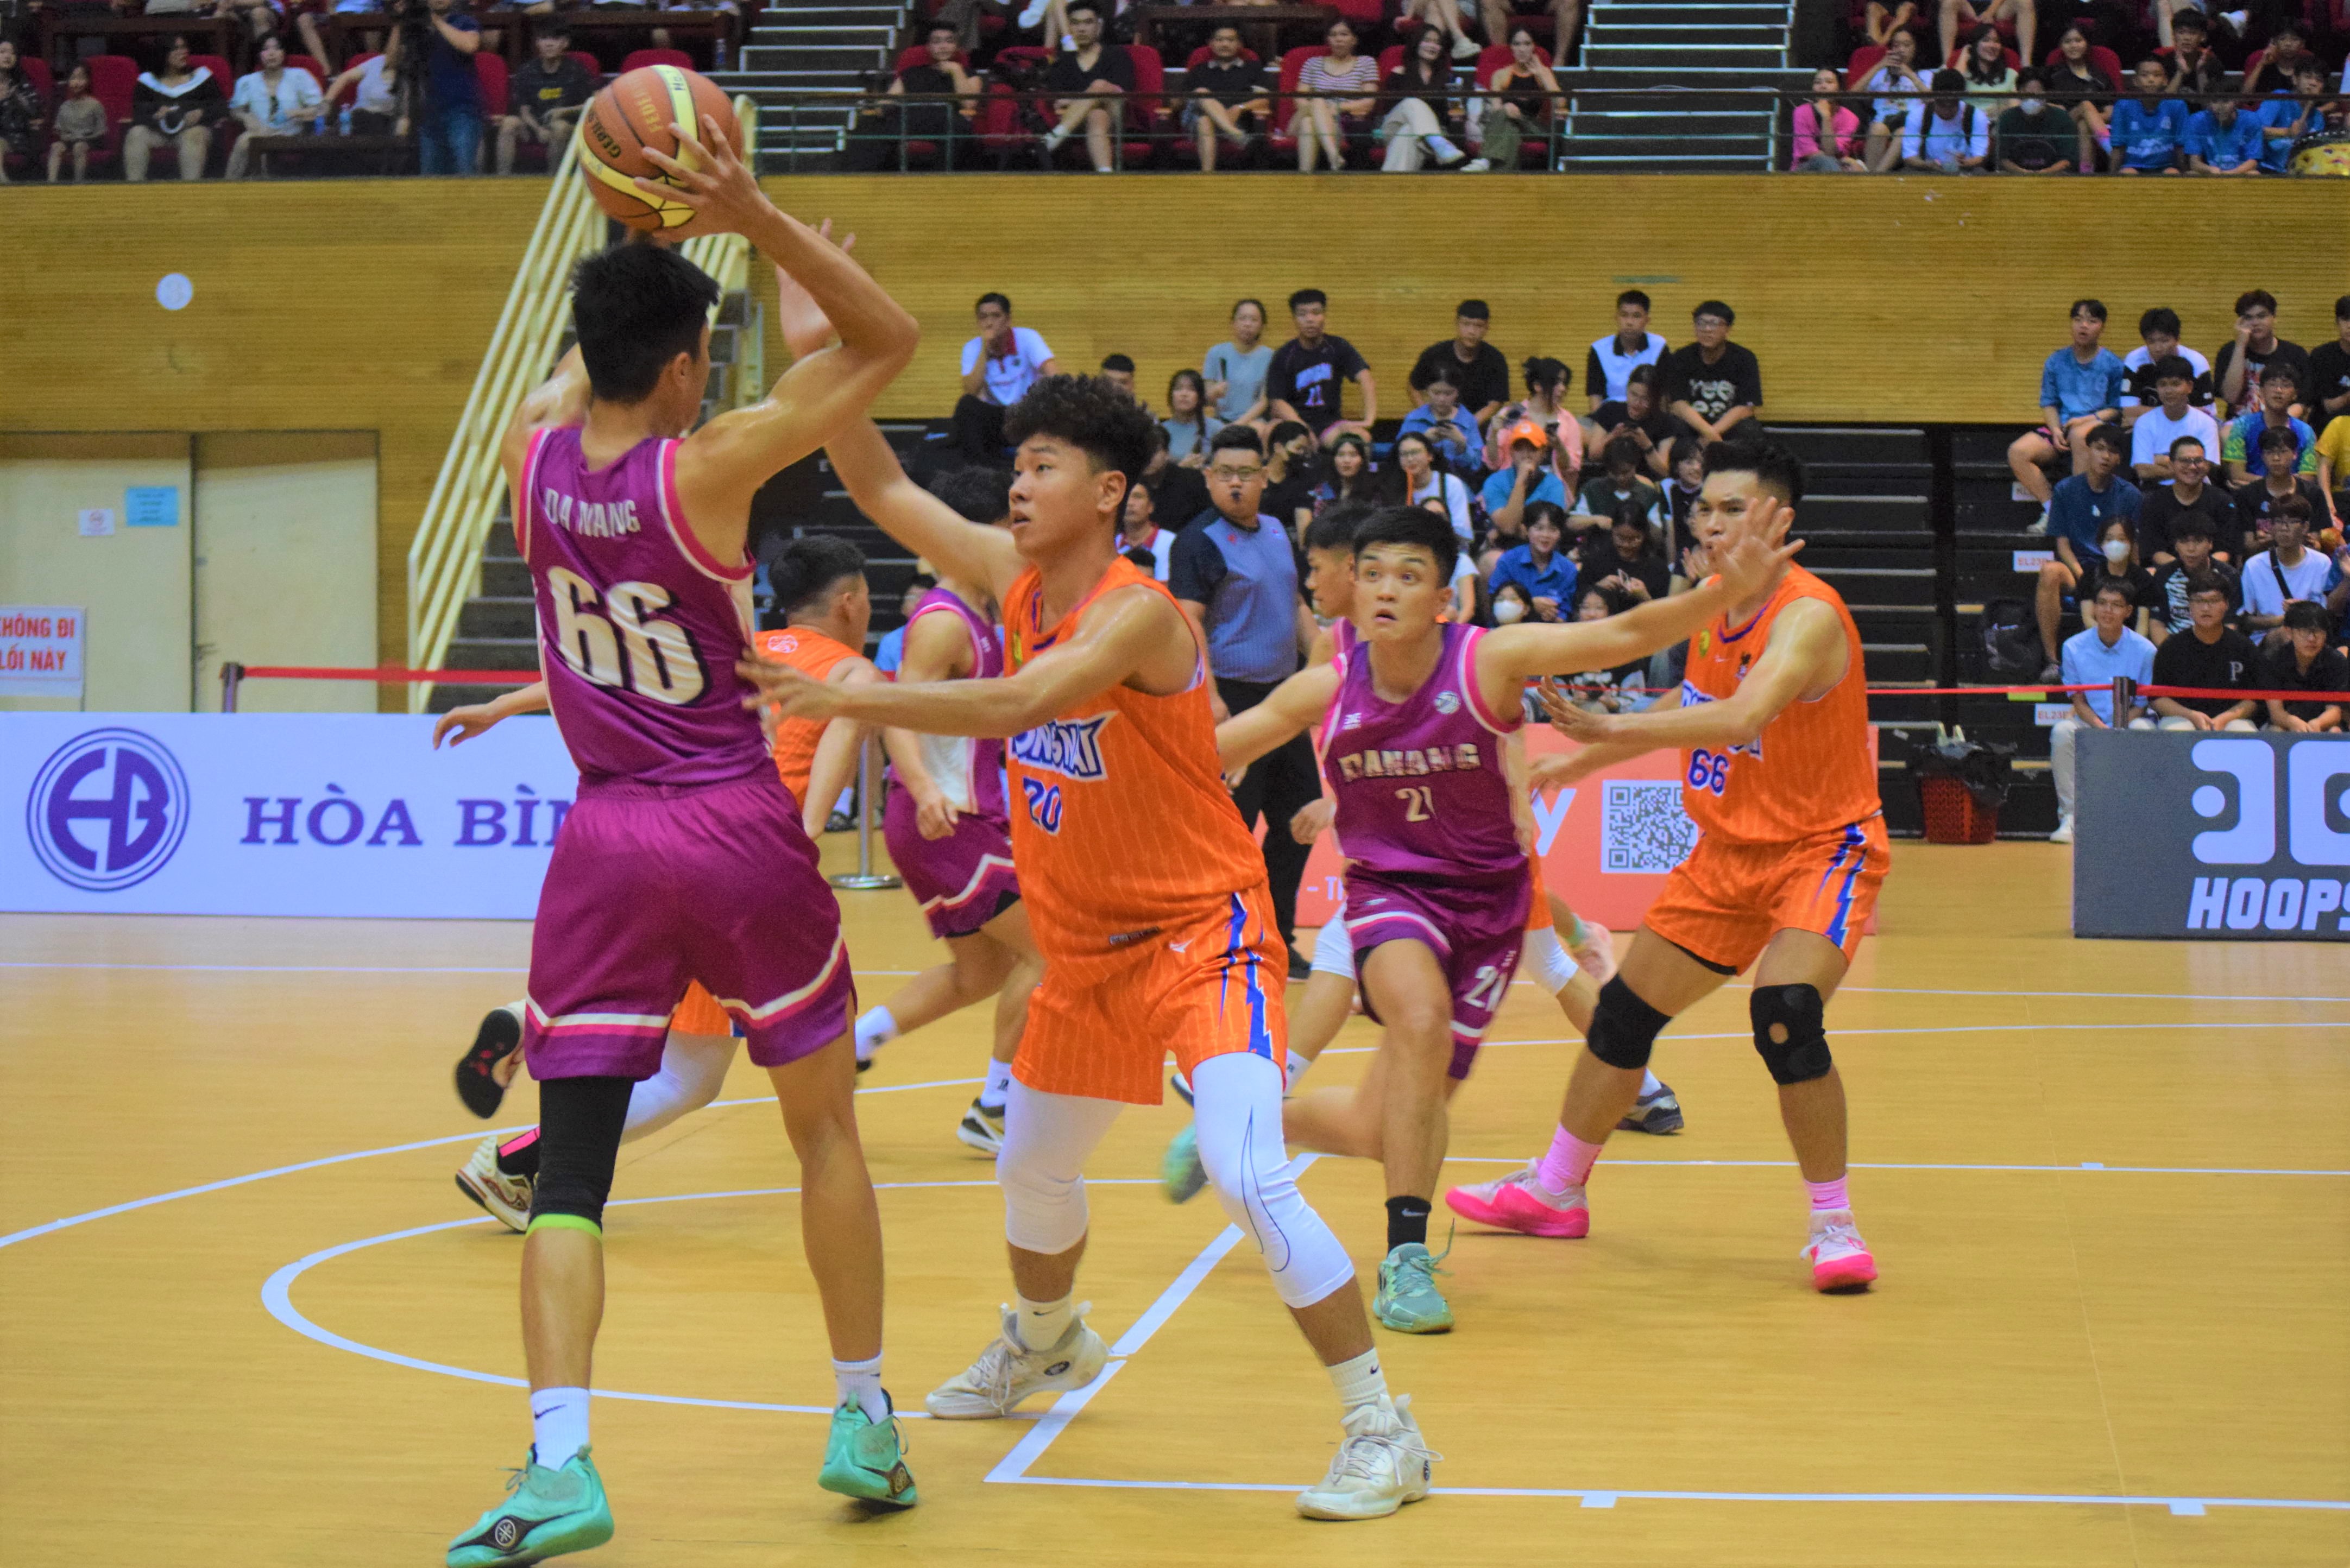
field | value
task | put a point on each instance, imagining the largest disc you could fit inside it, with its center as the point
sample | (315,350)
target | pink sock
(1568,1163)
(1827,1197)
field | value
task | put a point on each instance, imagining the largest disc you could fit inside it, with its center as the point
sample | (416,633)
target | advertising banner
(2213,838)
(40,650)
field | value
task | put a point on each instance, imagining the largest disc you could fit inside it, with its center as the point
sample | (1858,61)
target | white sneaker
(983,1127)
(1033,15)
(1464,48)
(1446,152)
(2063,834)
(1008,1371)
(1382,1464)
(2039,527)
(507,1198)
(1476,166)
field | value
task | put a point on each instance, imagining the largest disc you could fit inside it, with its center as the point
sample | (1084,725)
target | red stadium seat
(999,127)
(1493,56)
(1146,106)
(317,72)
(1365,15)
(913,55)
(1542,27)
(1864,60)
(490,71)
(636,57)
(343,95)
(1292,65)
(112,80)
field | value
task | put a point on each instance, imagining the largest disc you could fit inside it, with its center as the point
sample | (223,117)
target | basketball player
(683,858)
(1773,722)
(1416,719)
(1148,899)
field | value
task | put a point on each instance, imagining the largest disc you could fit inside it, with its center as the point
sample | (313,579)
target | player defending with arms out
(684,857)
(1417,715)
(1773,724)
(1150,903)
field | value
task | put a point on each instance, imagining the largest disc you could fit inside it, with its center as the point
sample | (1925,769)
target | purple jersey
(968,771)
(638,626)
(1424,786)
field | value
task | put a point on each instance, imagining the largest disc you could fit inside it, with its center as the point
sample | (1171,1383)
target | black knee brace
(1624,1029)
(1790,1032)
(579,1125)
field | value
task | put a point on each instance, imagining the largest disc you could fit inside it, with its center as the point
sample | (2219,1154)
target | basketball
(636,112)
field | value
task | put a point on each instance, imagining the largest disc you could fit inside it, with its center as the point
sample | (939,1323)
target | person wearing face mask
(2117,561)
(1510,605)
(2034,137)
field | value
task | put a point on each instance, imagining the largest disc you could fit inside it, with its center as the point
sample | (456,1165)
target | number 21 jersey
(638,626)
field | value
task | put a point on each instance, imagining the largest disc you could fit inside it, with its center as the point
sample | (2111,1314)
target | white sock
(998,1085)
(860,1381)
(1554,965)
(875,1030)
(1297,1066)
(1041,1325)
(558,1424)
(1360,1381)
(1648,1084)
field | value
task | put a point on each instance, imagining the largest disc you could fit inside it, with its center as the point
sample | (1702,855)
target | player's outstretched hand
(785,694)
(462,724)
(805,326)
(720,187)
(1579,724)
(1312,819)
(1754,547)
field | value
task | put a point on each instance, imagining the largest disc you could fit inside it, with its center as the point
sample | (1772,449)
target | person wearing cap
(1481,369)
(1712,385)
(1527,478)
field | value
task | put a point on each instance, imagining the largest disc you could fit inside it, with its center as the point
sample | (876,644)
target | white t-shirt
(2150,438)
(1162,548)
(2305,581)
(1009,378)
(1455,495)
(372,94)
(275,110)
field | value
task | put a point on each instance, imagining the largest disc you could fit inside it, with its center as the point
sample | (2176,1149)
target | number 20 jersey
(1810,771)
(638,626)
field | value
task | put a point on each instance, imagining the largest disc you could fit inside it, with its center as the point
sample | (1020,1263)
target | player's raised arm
(1804,656)
(971,552)
(1290,710)
(1555,770)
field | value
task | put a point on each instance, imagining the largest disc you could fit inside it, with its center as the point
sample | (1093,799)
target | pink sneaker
(1839,1258)
(1518,1201)
(1597,956)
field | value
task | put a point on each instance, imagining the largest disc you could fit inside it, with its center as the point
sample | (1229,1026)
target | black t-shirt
(565,87)
(2248,395)
(2169,603)
(1601,562)
(1284,498)
(2256,508)
(1231,83)
(2094,571)
(1312,379)
(1659,426)
(2159,508)
(1177,495)
(2035,142)
(2281,672)
(1712,390)
(2329,377)
(1487,380)
(2227,665)
(1066,76)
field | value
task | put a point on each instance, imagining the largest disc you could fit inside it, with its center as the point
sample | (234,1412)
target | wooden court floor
(2108,1185)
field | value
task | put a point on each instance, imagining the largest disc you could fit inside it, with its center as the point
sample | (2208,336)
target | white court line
(317,968)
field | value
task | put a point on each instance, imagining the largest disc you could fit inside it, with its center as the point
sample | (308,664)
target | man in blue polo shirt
(2081,385)
(1236,573)
(2077,514)
(2095,658)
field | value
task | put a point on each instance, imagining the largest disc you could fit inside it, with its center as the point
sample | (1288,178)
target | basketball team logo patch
(108,810)
(1448,702)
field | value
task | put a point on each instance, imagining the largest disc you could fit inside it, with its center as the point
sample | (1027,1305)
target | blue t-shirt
(2148,138)
(450,81)
(1495,492)
(1468,459)
(1555,581)
(2079,513)
(891,653)
(2276,151)
(2087,661)
(1247,580)
(2224,147)
(2074,390)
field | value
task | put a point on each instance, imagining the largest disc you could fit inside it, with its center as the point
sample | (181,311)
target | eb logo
(2312,800)
(107,810)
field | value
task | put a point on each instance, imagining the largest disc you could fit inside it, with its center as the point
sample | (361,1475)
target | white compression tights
(1047,1137)
(693,1069)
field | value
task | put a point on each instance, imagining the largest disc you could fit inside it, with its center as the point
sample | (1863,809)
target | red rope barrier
(389,676)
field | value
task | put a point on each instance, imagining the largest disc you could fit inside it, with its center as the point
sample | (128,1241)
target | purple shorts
(962,881)
(652,886)
(1476,932)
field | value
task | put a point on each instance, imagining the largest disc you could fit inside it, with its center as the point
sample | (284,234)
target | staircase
(1711,55)
(796,48)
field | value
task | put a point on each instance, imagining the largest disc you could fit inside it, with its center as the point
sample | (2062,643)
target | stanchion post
(2125,699)
(231,676)
(865,878)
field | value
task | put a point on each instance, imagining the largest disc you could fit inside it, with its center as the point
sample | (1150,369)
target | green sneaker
(865,1458)
(547,1513)
(1408,1301)
(1180,1174)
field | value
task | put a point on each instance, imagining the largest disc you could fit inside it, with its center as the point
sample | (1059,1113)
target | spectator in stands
(1508,605)
(81,125)
(1641,417)
(2158,330)
(1616,690)
(2301,661)
(1451,429)
(2238,370)
(940,73)
(1538,568)
(2077,514)
(2256,502)
(1236,371)
(1989,78)
(1347,475)
(1885,23)
(1443,18)
(2174,583)
(1290,473)
(1544,404)
(2271,69)
(259,15)
(2082,90)
(1680,489)
(2208,653)
(2115,559)
(2310,111)
(1529,481)
(1712,385)
(1423,119)
(1417,477)
(1188,424)
(2287,571)
(2037,137)
(2149,128)
(1521,98)
(2246,450)
(2164,509)
(1892,86)
(1959,16)
(1139,530)
(1306,380)
(2195,72)
(548,94)
(272,101)
(21,111)
(2095,658)
(964,16)
(1627,563)
(2326,391)
(379,107)
(2080,389)
(2332,477)
(1351,83)
(1944,133)
(1627,480)
(2172,420)
(1088,84)
(1118,369)
(448,127)
(1481,372)
(2223,139)
(1828,139)
(1178,494)
(1228,97)
(174,106)
(999,366)
(1608,364)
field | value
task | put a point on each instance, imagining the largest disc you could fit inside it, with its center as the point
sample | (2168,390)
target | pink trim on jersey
(971,889)
(961,625)
(529,490)
(674,513)
(1466,674)
(768,1012)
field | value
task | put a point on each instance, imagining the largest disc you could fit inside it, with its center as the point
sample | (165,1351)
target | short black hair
(2280,437)
(1307,297)
(1621,452)
(1549,512)
(2117,587)
(811,566)
(1715,306)
(636,308)
(2342,308)
(1097,419)
(2278,370)
(2294,508)
(1947,80)
(1281,434)
(2094,308)
(991,297)
(552,27)
(1772,465)
(1077,6)
(2256,299)
(2107,435)
(2195,442)
(2206,582)
(1642,375)
(982,493)
(1333,527)
(1141,555)
(2189,18)
(1118,362)
(935,29)
(1237,437)
(1443,373)
(1410,526)
(1633,297)
(2031,75)
(2173,367)
(2190,525)
(2162,320)
(2307,615)
(1474,309)
(1545,371)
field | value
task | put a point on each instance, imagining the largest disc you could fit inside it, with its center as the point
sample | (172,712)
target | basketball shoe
(1408,1301)
(983,1127)
(1181,1173)
(507,1198)
(547,1513)
(1839,1258)
(1007,1371)
(1657,1113)
(1518,1201)
(1382,1464)
(499,1037)
(866,1459)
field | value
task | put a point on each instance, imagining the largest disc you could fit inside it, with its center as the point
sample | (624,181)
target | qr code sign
(1642,828)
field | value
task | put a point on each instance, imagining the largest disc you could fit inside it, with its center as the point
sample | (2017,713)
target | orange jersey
(813,654)
(1120,820)
(1810,770)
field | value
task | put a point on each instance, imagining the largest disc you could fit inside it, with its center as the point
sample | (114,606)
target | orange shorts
(700,1013)
(1727,900)
(1101,1025)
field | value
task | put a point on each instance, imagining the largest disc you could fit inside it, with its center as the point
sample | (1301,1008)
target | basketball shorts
(1102,1023)
(1727,900)
(651,887)
(1475,931)
(962,881)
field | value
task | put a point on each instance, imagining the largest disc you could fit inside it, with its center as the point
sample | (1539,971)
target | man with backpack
(1946,133)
